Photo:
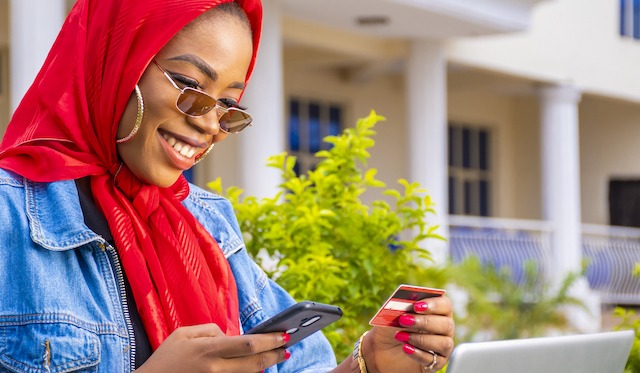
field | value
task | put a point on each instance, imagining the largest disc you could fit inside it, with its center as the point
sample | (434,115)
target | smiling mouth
(181,147)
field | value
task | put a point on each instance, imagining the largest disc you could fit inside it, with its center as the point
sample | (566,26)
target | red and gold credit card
(401,302)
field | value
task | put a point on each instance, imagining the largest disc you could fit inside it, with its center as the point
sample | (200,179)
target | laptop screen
(585,353)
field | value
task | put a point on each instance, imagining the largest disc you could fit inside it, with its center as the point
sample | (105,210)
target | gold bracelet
(357,354)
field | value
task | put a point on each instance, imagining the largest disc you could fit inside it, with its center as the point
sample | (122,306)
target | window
(309,122)
(624,202)
(630,18)
(469,170)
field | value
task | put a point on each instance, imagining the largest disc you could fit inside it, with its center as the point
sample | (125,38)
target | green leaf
(331,247)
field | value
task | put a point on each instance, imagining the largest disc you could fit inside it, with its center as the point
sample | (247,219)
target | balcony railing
(502,243)
(611,252)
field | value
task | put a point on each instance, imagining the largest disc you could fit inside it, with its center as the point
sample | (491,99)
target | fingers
(429,360)
(432,316)
(256,363)
(198,331)
(442,345)
(205,348)
(246,345)
(428,324)
(434,306)
(429,333)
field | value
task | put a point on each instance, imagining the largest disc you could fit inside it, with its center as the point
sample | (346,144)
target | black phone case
(298,320)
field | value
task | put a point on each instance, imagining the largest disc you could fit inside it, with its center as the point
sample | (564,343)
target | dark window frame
(470,181)
(629,18)
(309,121)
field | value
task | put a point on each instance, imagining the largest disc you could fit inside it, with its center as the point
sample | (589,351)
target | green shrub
(318,240)
(328,246)
(630,320)
(501,308)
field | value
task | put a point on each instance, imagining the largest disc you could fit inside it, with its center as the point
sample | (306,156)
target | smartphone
(401,302)
(300,320)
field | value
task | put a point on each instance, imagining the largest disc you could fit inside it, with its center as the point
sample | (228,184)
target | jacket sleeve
(259,297)
(264,299)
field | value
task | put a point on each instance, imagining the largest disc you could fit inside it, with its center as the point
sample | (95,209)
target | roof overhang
(432,19)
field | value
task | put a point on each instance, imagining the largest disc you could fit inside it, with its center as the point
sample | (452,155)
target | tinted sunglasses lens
(194,103)
(234,120)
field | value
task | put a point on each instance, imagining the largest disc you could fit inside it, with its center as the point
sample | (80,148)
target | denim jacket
(62,303)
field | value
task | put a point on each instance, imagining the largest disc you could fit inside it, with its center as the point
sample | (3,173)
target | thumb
(199,331)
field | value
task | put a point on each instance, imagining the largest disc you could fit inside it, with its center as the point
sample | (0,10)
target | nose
(208,123)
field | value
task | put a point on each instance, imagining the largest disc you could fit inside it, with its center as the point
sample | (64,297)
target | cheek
(219,137)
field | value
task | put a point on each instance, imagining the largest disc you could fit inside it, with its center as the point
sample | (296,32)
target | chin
(166,183)
(162,182)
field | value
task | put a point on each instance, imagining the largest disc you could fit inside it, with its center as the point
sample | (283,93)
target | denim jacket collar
(55,216)
(56,221)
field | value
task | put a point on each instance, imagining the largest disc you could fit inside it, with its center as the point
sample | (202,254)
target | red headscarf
(65,128)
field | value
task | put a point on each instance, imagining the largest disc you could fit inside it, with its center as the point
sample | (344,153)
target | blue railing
(502,243)
(611,252)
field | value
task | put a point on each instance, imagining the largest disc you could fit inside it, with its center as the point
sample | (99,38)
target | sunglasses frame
(220,108)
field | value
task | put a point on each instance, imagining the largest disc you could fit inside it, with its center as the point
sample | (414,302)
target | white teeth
(182,148)
(185,151)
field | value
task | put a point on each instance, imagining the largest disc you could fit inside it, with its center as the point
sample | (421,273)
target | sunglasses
(195,103)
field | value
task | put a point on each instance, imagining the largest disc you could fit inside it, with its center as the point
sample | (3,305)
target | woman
(110,260)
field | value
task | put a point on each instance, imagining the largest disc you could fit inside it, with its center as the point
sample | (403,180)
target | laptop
(584,353)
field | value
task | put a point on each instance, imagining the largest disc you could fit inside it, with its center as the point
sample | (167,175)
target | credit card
(401,302)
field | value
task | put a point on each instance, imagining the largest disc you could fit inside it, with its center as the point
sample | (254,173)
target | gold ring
(434,362)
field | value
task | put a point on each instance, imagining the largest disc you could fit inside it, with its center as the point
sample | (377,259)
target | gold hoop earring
(203,155)
(136,127)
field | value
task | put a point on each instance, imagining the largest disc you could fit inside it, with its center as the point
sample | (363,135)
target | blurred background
(520,117)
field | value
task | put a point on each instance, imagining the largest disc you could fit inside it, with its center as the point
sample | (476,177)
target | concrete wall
(609,147)
(384,94)
(569,41)
(515,149)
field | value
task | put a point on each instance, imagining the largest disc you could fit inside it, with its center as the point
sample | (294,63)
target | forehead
(211,27)
(222,40)
(215,23)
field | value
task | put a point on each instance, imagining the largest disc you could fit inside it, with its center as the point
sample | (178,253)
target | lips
(180,146)
(185,149)
(181,151)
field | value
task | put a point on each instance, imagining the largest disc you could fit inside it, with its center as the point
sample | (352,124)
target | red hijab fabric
(65,128)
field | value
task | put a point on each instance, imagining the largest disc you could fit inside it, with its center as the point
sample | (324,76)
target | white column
(561,174)
(34,26)
(427,129)
(265,98)
(561,198)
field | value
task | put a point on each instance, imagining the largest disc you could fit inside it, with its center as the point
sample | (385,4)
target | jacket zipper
(125,305)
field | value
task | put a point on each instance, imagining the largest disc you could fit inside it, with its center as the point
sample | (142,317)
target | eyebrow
(204,67)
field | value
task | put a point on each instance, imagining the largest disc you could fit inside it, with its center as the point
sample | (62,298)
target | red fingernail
(406,320)
(286,337)
(408,349)
(402,336)
(287,355)
(420,306)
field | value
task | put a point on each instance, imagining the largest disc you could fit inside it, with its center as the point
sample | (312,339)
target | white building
(523,112)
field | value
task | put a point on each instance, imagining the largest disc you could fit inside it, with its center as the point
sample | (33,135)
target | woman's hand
(205,348)
(428,334)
